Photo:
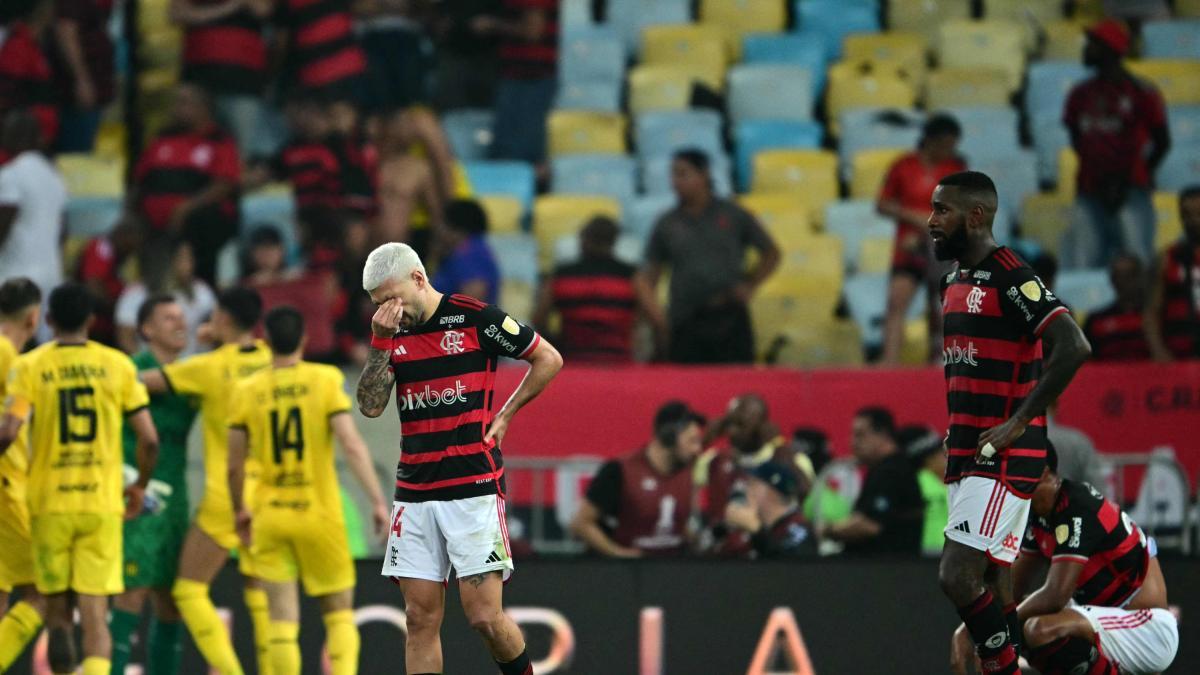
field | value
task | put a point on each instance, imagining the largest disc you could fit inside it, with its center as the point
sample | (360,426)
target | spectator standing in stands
(399,53)
(413,182)
(905,197)
(32,200)
(26,80)
(185,184)
(266,258)
(889,513)
(84,69)
(639,505)
(595,298)
(466,60)
(528,34)
(1118,126)
(771,514)
(100,269)
(1173,314)
(469,266)
(224,52)
(1116,332)
(927,452)
(168,269)
(324,58)
(704,241)
(1077,457)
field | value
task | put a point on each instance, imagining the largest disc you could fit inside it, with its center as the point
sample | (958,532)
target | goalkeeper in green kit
(153,539)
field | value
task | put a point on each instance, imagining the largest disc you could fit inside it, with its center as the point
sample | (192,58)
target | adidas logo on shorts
(493,558)
(963,527)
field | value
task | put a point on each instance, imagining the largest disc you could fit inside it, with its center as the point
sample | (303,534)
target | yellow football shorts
(286,547)
(16,547)
(80,552)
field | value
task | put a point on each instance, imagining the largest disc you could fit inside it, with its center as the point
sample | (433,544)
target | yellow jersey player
(210,377)
(286,417)
(20,310)
(75,395)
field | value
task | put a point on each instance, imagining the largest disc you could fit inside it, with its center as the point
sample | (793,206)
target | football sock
(518,666)
(95,665)
(122,625)
(284,648)
(256,604)
(209,634)
(1015,633)
(989,630)
(1067,655)
(164,647)
(18,628)
(342,642)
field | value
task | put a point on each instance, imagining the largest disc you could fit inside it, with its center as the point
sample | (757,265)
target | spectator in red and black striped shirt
(25,75)
(323,53)
(1173,313)
(84,69)
(1116,332)
(186,181)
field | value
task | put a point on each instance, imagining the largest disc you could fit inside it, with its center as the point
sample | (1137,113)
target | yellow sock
(94,665)
(206,628)
(256,604)
(17,629)
(285,648)
(342,642)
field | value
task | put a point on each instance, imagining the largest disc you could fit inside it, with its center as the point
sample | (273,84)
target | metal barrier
(536,468)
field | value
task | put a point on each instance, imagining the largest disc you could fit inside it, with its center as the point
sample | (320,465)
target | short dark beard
(953,246)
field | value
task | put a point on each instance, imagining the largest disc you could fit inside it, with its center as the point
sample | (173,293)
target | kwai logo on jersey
(494,333)
(432,398)
(975,300)
(955,353)
(452,342)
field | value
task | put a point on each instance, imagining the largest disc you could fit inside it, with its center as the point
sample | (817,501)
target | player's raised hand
(386,321)
(134,495)
(999,438)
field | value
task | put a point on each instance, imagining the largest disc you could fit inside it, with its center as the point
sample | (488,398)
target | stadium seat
(1015,176)
(504,213)
(1181,168)
(469,131)
(685,43)
(826,342)
(754,135)
(1050,137)
(88,175)
(924,16)
(1045,218)
(598,95)
(631,17)
(1068,172)
(866,300)
(1030,15)
(1084,291)
(812,271)
(628,249)
(516,256)
(1064,40)
(515,179)
(1179,80)
(271,207)
(768,91)
(908,50)
(836,19)
(662,133)
(875,255)
(574,132)
(866,128)
(854,220)
(1049,83)
(811,172)
(973,45)
(987,132)
(656,174)
(806,51)
(1169,224)
(112,139)
(1178,39)
(575,17)
(1187,8)
(978,86)
(849,89)
(643,212)
(659,87)
(557,216)
(1088,10)
(611,175)
(736,19)
(1184,121)
(592,57)
(869,168)
(88,217)
(784,216)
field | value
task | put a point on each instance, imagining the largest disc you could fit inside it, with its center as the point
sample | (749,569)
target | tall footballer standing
(1000,319)
(440,352)
(75,395)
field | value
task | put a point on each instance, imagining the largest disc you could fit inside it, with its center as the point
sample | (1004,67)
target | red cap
(1112,33)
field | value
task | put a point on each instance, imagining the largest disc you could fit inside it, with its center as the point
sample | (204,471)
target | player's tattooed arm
(375,384)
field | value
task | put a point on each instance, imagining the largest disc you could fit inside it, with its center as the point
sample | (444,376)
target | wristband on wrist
(381,343)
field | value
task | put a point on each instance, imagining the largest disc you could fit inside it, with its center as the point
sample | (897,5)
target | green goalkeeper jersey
(173,416)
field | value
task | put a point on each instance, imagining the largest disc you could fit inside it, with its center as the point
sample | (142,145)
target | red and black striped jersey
(227,55)
(325,55)
(1087,529)
(1181,300)
(1116,335)
(445,374)
(25,78)
(992,352)
(598,305)
(181,164)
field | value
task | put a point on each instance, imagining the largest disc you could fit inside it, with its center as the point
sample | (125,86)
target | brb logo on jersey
(975,300)
(452,342)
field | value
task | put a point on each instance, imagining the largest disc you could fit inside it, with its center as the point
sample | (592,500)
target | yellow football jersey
(14,463)
(286,413)
(75,398)
(211,378)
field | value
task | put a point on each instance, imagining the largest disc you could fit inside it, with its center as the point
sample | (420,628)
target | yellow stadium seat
(1178,79)
(812,268)
(89,175)
(951,87)
(875,255)
(558,215)
(580,132)
(811,173)
(909,51)
(1092,10)
(915,351)
(503,213)
(827,342)
(668,87)
(1064,41)
(869,168)
(111,139)
(1028,14)
(1068,171)
(516,297)
(924,16)
(785,216)
(1187,8)
(1169,223)
(1045,217)
(971,45)
(736,18)
(676,44)
(851,88)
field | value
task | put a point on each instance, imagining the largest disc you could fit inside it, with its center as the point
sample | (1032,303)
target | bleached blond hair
(390,261)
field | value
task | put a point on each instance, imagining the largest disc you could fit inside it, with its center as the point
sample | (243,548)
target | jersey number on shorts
(288,437)
(71,408)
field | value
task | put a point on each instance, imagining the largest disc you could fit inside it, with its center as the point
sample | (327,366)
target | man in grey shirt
(704,241)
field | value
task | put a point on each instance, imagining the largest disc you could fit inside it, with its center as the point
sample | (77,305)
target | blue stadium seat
(1184,121)
(1048,84)
(601,95)
(754,135)
(628,249)
(854,220)
(611,175)
(275,209)
(867,128)
(1016,177)
(502,178)
(631,16)
(806,50)
(656,174)
(770,91)
(1181,168)
(662,133)
(866,298)
(1050,136)
(835,19)
(988,133)
(88,217)
(469,131)
(516,256)
(1177,39)
(594,56)
(641,213)
(1084,291)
